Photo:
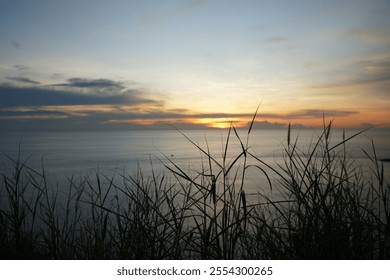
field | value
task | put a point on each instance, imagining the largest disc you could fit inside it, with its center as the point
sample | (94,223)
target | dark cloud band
(23,80)
(38,96)
(92,84)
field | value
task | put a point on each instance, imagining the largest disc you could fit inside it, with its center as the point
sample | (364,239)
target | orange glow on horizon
(206,122)
(223,123)
(350,117)
(379,118)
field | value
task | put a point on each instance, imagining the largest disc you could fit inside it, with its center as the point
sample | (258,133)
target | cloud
(274,125)
(17,96)
(12,96)
(151,116)
(106,104)
(15,44)
(77,104)
(312,113)
(181,117)
(276,39)
(21,67)
(101,84)
(377,35)
(178,114)
(30,114)
(23,80)
(363,71)
(358,80)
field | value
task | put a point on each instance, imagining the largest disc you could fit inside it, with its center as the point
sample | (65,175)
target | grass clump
(330,209)
(320,205)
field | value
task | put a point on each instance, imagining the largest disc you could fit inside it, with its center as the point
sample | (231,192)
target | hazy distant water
(83,153)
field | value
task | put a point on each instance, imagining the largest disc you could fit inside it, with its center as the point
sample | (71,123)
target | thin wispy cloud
(275,39)
(21,67)
(100,84)
(371,35)
(362,71)
(15,44)
(364,80)
(31,114)
(317,113)
(23,80)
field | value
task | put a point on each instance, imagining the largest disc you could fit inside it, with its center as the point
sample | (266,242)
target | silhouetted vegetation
(320,205)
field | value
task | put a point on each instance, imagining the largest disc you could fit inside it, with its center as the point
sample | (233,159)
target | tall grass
(326,208)
(330,208)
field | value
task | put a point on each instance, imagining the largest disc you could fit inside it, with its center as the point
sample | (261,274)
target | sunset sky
(94,64)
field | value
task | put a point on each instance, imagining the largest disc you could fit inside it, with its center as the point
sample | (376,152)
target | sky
(123,64)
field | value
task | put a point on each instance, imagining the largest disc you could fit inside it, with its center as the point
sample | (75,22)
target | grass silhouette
(327,208)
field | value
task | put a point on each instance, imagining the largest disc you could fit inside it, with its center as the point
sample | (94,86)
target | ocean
(84,153)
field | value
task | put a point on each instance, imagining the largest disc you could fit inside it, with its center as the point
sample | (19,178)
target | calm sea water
(64,154)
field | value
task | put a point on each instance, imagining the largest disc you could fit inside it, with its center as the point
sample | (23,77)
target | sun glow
(222,122)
